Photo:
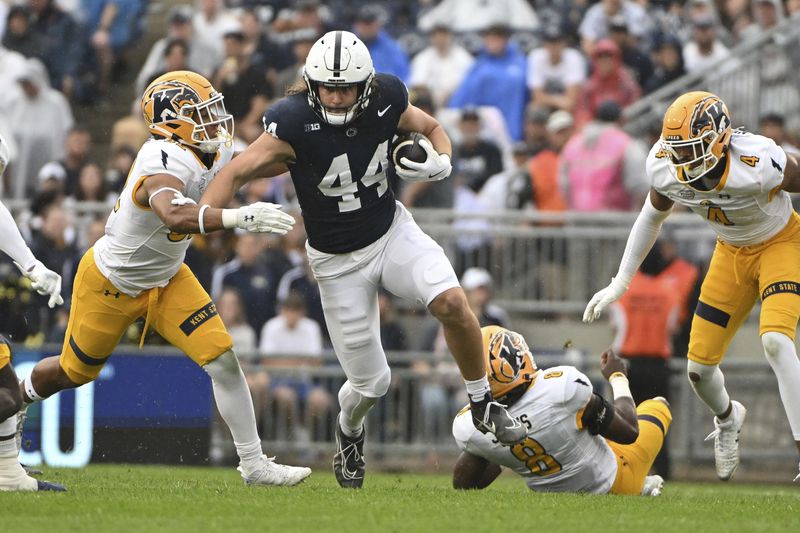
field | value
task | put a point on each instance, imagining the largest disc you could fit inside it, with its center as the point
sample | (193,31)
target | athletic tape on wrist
(620,385)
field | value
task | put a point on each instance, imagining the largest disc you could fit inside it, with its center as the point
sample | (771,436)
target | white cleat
(653,485)
(726,441)
(269,473)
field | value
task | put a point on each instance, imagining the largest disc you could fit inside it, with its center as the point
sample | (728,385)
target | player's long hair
(300,87)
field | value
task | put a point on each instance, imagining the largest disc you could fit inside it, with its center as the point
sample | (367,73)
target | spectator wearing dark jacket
(64,43)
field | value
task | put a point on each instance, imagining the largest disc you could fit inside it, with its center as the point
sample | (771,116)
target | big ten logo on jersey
(716,213)
(338,181)
(314,126)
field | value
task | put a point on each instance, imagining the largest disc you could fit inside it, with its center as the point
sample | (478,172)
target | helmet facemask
(694,157)
(339,117)
(511,366)
(212,125)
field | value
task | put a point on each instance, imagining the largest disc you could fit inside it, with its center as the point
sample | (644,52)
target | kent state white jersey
(138,252)
(746,207)
(558,455)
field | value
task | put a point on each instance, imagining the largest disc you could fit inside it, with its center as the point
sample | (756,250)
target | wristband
(620,386)
(200,218)
(229,218)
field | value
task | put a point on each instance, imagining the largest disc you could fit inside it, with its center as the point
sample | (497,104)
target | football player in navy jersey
(333,133)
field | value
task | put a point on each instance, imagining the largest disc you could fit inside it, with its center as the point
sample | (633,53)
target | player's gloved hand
(258,217)
(45,282)
(436,166)
(182,200)
(602,298)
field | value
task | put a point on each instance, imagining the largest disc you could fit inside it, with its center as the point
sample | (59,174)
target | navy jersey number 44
(340,171)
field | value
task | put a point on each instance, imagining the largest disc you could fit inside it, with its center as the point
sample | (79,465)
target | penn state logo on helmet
(184,107)
(696,134)
(509,362)
(339,59)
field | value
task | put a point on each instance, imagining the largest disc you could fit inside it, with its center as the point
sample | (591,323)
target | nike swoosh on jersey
(383,112)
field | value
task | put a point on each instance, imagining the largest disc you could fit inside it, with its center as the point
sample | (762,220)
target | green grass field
(139,498)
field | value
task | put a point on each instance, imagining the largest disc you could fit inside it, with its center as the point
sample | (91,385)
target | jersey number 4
(338,181)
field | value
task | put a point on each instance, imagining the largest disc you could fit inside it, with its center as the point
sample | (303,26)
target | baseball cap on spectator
(608,111)
(235,31)
(475,277)
(520,147)
(538,114)
(559,120)
(307,35)
(703,21)
(552,33)
(180,15)
(470,113)
(52,171)
(618,23)
(497,28)
(305,5)
(371,13)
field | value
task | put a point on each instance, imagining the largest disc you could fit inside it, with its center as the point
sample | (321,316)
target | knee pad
(374,387)
(699,372)
(224,366)
(773,342)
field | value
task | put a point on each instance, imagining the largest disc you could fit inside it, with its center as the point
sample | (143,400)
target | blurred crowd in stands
(532,93)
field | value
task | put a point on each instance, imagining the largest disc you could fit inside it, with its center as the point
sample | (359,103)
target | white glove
(45,282)
(435,168)
(602,298)
(259,217)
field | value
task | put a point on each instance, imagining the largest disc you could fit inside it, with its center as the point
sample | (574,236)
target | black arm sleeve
(599,414)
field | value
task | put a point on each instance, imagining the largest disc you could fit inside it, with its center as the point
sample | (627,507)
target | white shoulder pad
(573,388)
(164,157)
(659,175)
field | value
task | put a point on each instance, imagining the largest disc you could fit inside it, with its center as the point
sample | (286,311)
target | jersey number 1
(347,188)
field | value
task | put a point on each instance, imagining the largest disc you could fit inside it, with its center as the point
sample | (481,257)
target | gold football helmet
(696,134)
(509,363)
(184,107)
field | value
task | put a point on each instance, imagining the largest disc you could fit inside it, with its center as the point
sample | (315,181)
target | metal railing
(759,76)
(550,262)
(540,262)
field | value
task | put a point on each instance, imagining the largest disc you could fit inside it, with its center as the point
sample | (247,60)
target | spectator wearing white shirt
(595,24)
(211,21)
(704,49)
(441,66)
(556,73)
(283,338)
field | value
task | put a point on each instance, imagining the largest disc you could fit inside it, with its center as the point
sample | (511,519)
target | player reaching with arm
(576,441)
(136,269)
(45,282)
(333,133)
(739,183)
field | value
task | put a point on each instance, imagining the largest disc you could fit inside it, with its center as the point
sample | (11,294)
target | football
(407,145)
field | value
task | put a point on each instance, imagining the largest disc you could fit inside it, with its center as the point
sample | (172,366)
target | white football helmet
(339,59)
(5,155)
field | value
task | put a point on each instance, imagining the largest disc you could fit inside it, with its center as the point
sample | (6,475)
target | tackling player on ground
(45,282)
(136,269)
(739,183)
(334,134)
(577,441)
